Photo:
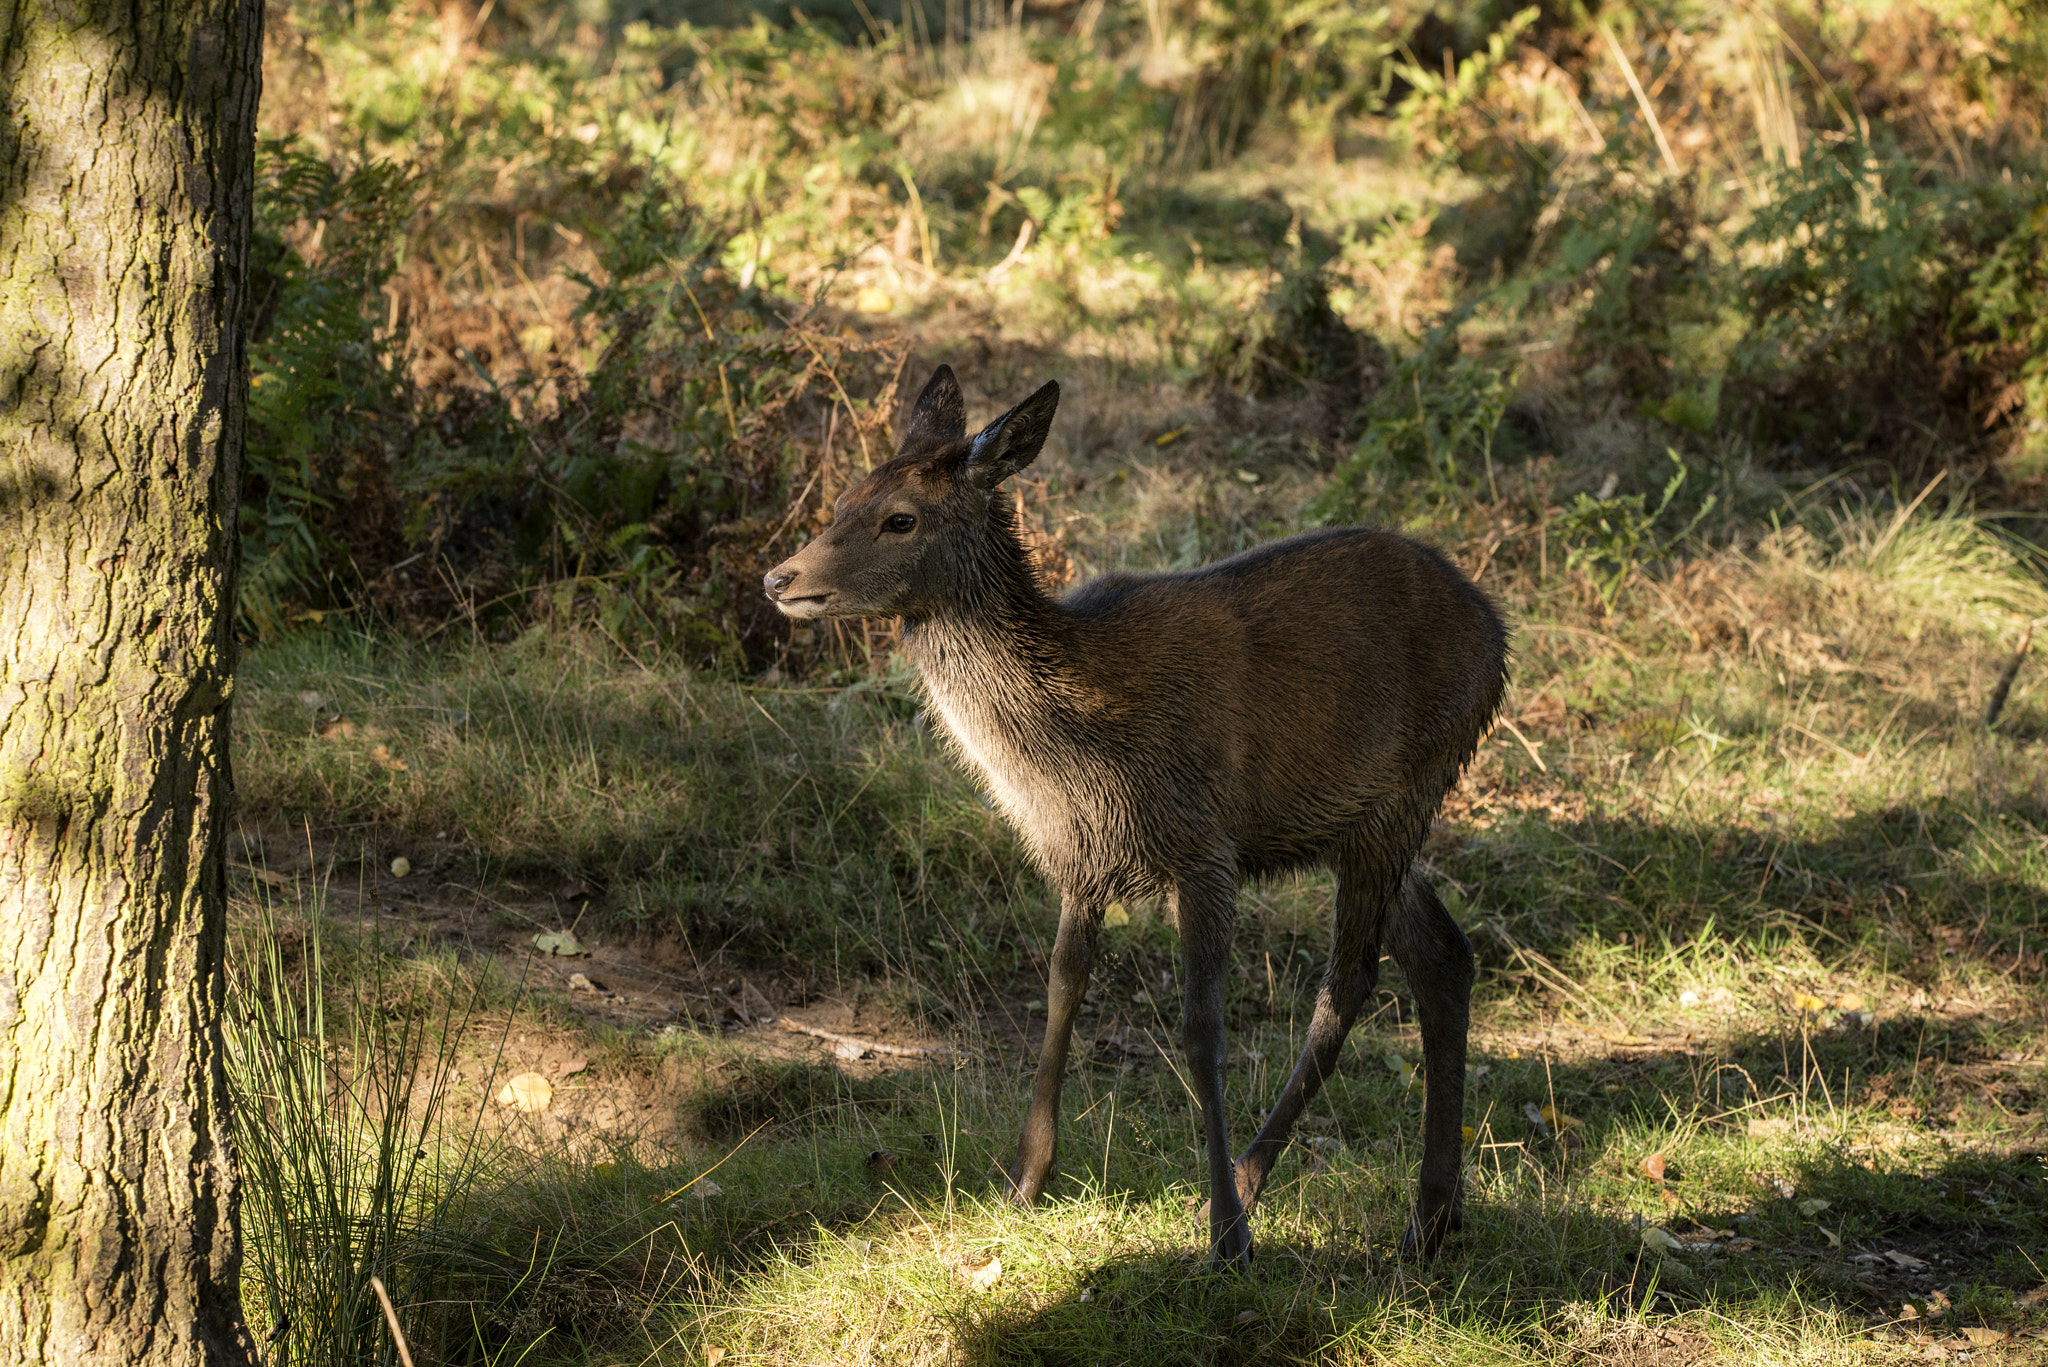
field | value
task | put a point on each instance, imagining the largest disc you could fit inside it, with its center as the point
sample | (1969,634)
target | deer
(1308,702)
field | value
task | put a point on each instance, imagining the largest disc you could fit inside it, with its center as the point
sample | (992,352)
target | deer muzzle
(783,587)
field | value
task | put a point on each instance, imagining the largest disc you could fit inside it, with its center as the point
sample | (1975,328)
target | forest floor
(1757,1051)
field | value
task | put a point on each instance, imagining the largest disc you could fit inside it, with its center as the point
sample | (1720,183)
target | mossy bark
(126,169)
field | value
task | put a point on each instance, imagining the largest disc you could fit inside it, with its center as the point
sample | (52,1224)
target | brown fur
(1306,702)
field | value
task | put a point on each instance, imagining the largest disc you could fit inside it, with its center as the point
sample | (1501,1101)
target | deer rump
(1306,702)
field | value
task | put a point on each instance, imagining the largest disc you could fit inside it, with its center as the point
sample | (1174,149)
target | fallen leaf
(1849,1001)
(1660,1241)
(1982,1337)
(980,1271)
(1906,1262)
(1115,915)
(1653,1166)
(312,701)
(2038,1296)
(571,1067)
(1770,1127)
(1806,1003)
(529,1092)
(705,1189)
(713,1355)
(1907,1312)
(382,754)
(1245,1317)
(1534,1115)
(1938,1304)
(1396,1064)
(269,876)
(579,983)
(400,867)
(873,299)
(560,943)
(1558,1118)
(1834,1239)
(1813,1205)
(1470,1134)
(1743,1245)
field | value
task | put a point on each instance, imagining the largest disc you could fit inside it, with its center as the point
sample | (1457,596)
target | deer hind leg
(1364,888)
(1205,907)
(1073,953)
(1437,958)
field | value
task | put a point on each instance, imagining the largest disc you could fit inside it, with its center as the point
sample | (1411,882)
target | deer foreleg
(1073,953)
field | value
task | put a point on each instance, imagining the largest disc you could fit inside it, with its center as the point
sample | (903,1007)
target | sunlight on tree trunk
(126,169)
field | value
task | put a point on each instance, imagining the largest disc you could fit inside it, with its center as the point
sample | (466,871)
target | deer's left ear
(939,417)
(1014,440)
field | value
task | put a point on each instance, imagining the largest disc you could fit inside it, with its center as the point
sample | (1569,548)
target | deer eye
(900,522)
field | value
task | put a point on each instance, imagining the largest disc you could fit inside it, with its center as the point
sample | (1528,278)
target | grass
(575,324)
(1769,905)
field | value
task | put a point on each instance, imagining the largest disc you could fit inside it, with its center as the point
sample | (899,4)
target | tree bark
(126,173)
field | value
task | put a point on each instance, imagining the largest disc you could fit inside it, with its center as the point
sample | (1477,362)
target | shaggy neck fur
(999,673)
(998,624)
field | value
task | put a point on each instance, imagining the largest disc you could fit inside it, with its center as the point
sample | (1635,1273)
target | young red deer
(1308,702)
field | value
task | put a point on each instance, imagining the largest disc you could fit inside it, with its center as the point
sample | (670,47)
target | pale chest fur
(1040,797)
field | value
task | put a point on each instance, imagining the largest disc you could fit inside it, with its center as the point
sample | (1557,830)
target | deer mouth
(808,605)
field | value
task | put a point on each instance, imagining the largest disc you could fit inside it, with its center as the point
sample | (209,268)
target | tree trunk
(126,172)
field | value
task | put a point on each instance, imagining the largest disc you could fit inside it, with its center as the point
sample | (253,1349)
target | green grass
(1765,788)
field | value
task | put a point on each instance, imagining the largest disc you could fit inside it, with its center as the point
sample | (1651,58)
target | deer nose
(776,580)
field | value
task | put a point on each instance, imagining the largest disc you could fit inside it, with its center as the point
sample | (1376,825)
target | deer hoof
(1231,1251)
(1424,1236)
(1024,1190)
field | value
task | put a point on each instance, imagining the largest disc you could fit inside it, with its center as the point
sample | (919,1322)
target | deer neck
(996,658)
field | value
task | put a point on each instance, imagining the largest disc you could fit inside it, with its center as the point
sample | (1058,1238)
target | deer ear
(939,418)
(1013,441)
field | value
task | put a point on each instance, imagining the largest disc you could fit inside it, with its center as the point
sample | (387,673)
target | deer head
(915,533)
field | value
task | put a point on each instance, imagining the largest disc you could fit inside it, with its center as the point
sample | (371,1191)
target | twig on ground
(870,1046)
(1516,732)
